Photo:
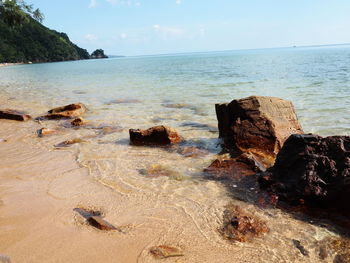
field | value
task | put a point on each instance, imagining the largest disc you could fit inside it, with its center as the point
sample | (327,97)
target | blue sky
(143,27)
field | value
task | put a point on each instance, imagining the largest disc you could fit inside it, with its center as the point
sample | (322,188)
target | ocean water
(180,91)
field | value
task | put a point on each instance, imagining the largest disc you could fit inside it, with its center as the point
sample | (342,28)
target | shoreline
(12,64)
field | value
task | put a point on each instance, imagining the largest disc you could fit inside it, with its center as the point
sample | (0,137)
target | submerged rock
(14,115)
(158,170)
(164,251)
(123,101)
(240,226)
(158,135)
(69,143)
(45,131)
(192,151)
(78,122)
(66,112)
(259,125)
(312,170)
(94,218)
(300,247)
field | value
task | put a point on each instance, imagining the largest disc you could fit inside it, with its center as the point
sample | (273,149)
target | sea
(181,90)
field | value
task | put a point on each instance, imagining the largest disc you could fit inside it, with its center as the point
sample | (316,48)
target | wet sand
(40,186)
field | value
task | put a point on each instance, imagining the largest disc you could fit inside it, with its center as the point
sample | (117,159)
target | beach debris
(69,143)
(192,151)
(300,247)
(164,251)
(157,135)
(45,131)
(94,218)
(5,259)
(157,170)
(313,171)
(123,101)
(258,125)
(78,122)
(66,112)
(241,226)
(14,115)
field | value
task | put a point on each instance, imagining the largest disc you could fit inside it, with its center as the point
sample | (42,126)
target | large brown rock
(312,170)
(14,115)
(257,124)
(67,112)
(158,135)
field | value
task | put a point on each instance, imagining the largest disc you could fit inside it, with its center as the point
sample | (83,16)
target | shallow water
(180,91)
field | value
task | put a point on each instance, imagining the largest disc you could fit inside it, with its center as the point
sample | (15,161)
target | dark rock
(14,115)
(161,252)
(66,112)
(300,247)
(312,170)
(259,125)
(240,226)
(158,135)
(78,122)
(100,223)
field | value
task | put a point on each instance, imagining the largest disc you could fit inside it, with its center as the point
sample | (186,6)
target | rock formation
(14,115)
(259,125)
(312,169)
(158,135)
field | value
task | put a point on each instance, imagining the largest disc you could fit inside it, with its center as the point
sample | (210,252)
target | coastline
(12,64)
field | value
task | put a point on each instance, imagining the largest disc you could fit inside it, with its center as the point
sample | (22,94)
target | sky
(146,27)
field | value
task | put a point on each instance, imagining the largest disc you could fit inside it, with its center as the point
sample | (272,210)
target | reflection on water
(180,91)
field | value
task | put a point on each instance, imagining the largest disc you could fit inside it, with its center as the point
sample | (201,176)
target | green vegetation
(23,38)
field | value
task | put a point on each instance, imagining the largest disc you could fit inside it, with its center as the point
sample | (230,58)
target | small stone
(69,143)
(14,115)
(163,251)
(78,122)
(4,259)
(158,135)
(300,247)
(66,112)
(100,223)
(3,140)
(45,131)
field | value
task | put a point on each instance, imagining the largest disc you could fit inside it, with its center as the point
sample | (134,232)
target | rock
(100,223)
(164,251)
(312,170)
(45,131)
(123,101)
(66,112)
(259,125)
(14,115)
(192,151)
(69,143)
(3,140)
(161,171)
(78,122)
(235,168)
(240,226)
(300,247)
(158,135)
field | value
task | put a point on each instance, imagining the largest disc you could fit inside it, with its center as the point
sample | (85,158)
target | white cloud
(123,36)
(93,3)
(178,2)
(168,31)
(124,2)
(90,37)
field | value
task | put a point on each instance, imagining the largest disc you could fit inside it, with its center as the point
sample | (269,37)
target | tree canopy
(17,12)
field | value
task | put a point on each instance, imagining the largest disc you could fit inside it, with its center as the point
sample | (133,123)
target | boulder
(158,135)
(14,115)
(259,125)
(312,170)
(67,112)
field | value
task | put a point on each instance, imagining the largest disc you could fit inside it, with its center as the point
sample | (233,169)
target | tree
(17,12)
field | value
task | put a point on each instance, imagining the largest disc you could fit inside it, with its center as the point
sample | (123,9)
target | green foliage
(17,12)
(34,42)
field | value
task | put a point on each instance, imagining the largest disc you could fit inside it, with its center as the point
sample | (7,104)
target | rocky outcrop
(158,135)
(313,170)
(14,115)
(259,125)
(67,112)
